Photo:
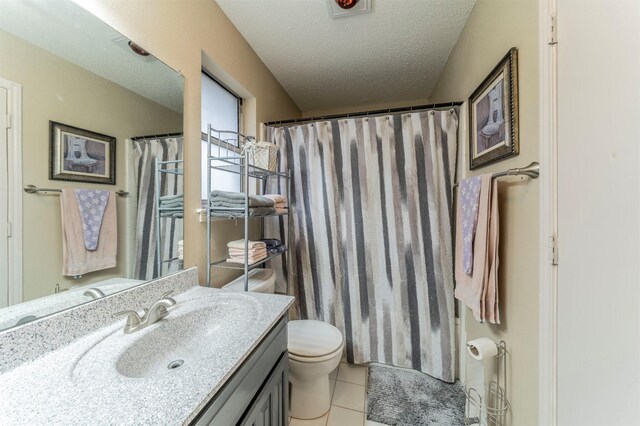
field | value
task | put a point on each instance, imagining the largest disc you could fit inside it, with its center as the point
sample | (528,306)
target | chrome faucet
(158,309)
(94,293)
(151,315)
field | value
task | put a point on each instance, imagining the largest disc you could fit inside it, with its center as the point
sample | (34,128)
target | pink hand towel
(479,290)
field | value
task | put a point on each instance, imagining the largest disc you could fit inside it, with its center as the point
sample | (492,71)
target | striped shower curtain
(145,152)
(371,233)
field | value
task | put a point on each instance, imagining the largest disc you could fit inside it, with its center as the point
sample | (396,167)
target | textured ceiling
(395,53)
(68,31)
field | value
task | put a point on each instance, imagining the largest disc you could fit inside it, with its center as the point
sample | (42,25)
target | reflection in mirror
(96,108)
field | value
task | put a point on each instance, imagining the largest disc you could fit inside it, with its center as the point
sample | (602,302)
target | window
(220,108)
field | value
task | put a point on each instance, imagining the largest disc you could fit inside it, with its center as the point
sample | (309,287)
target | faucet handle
(166,297)
(133,318)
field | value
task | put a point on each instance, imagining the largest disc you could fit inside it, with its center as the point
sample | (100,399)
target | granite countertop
(47,305)
(99,379)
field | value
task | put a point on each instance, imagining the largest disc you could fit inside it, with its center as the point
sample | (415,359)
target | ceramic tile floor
(348,397)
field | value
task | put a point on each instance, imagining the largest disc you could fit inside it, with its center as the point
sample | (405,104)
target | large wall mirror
(95,108)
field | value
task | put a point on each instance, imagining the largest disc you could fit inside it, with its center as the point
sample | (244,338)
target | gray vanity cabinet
(270,405)
(258,392)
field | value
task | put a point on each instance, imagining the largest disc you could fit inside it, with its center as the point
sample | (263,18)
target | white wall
(599,212)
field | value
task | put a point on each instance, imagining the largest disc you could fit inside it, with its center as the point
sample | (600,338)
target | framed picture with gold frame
(493,115)
(81,155)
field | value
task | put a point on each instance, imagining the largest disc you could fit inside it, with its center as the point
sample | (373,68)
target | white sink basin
(194,332)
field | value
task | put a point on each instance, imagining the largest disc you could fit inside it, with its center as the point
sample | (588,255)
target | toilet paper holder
(489,406)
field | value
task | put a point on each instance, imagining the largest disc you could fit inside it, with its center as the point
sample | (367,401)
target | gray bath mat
(398,396)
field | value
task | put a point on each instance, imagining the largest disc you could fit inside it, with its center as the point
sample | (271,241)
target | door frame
(548,255)
(14,193)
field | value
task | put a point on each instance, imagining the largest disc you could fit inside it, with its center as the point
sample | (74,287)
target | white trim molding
(14,156)
(548,349)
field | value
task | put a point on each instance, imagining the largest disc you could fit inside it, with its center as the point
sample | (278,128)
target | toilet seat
(311,359)
(313,341)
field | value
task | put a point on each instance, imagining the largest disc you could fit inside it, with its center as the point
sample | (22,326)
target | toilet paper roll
(482,348)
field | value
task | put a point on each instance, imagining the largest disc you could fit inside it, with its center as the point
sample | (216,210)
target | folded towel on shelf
(76,259)
(239,244)
(167,198)
(173,215)
(237,199)
(252,251)
(250,260)
(278,249)
(170,200)
(253,212)
(277,198)
(171,207)
(281,205)
(254,201)
(271,242)
(171,204)
(281,211)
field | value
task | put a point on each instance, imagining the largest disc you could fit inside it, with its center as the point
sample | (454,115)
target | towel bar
(532,170)
(32,189)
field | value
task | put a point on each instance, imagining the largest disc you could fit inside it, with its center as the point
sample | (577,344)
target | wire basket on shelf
(263,155)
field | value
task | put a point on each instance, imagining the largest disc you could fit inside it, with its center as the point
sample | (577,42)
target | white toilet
(315,349)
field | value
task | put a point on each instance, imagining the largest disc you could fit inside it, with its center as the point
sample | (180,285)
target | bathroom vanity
(258,393)
(217,357)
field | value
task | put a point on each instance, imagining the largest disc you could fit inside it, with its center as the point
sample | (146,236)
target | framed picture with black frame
(493,115)
(81,155)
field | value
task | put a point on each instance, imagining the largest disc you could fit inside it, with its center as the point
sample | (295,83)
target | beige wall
(493,28)
(186,35)
(57,90)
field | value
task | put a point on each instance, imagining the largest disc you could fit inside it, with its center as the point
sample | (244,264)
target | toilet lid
(313,338)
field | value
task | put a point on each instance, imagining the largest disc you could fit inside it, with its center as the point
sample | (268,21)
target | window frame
(229,91)
(222,144)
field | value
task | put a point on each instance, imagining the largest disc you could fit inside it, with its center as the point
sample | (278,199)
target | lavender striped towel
(92,204)
(469,201)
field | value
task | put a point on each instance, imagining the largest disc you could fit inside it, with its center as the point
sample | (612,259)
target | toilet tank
(260,281)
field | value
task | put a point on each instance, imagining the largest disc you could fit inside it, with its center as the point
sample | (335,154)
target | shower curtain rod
(365,113)
(163,135)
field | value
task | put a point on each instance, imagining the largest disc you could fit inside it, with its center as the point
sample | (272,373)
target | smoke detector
(342,8)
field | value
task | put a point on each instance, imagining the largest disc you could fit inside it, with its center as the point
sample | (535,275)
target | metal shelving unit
(236,160)
(169,167)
